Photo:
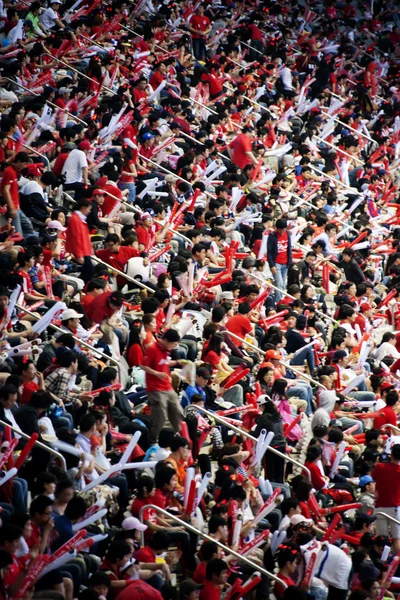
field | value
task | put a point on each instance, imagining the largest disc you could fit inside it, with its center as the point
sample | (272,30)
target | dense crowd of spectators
(199,300)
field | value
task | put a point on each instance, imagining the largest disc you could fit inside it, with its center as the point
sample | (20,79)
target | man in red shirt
(104,306)
(116,255)
(240,149)
(162,399)
(10,193)
(200,27)
(387,495)
(216,577)
(279,255)
(208,551)
(287,563)
(387,415)
(240,323)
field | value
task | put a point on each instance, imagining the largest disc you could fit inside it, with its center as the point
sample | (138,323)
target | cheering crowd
(199,300)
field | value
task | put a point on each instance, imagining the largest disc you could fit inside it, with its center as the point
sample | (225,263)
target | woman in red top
(313,456)
(134,352)
(129,173)
(26,261)
(213,355)
(32,381)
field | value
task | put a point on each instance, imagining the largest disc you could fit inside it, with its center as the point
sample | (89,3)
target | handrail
(34,151)
(37,443)
(221,420)
(391,427)
(48,101)
(80,73)
(128,277)
(208,538)
(383,514)
(319,312)
(79,341)
(281,362)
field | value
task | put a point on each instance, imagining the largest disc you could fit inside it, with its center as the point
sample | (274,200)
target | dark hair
(163,476)
(391,398)
(41,480)
(216,522)
(215,567)
(41,399)
(395,452)
(287,554)
(160,540)
(62,485)
(287,504)
(178,441)
(207,550)
(117,551)
(7,390)
(99,578)
(144,482)
(67,358)
(87,422)
(39,505)
(9,533)
(171,335)
(76,508)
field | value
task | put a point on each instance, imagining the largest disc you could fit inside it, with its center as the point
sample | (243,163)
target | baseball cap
(48,237)
(189,586)
(85,145)
(263,399)
(174,125)
(149,214)
(273,355)
(33,171)
(70,313)
(98,192)
(64,434)
(368,571)
(386,385)
(65,90)
(147,136)
(69,146)
(296,519)
(363,518)
(56,225)
(365,306)
(364,480)
(133,523)
(339,354)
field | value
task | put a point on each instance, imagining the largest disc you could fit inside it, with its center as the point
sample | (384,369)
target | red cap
(33,171)
(98,192)
(85,145)
(386,385)
(365,306)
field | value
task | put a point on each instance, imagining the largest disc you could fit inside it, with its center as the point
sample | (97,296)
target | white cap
(70,313)
(56,225)
(133,523)
(263,399)
(296,519)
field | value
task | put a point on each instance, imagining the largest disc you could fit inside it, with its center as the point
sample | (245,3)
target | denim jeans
(22,224)
(280,280)
(199,48)
(20,498)
(306,354)
(131,187)
(304,392)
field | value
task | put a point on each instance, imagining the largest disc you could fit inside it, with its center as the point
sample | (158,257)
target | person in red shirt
(240,323)
(287,563)
(118,554)
(387,415)
(200,27)
(162,399)
(104,306)
(116,255)
(313,457)
(208,551)
(158,544)
(9,191)
(240,149)
(78,238)
(62,157)
(387,495)
(216,578)
(94,288)
(29,374)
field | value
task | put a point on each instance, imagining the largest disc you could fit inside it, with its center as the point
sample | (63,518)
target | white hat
(49,435)
(70,313)
(296,519)
(133,523)
(56,225)
(64,90)
(227,296)
(263,399)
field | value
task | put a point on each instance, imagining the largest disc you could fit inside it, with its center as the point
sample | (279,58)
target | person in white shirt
(76,170)
(286,77)
(90,425)
(50,18)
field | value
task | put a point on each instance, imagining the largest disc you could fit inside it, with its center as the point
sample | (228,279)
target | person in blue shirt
(202,377)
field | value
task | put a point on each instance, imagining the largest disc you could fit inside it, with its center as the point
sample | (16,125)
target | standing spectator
(388,496)
(78,238)
(162,398)
(279,255)
(9,191)
(200,27)
(75,169)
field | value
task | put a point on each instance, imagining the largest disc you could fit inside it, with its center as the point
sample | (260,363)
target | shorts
(384,526)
